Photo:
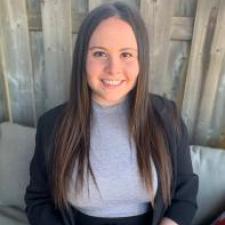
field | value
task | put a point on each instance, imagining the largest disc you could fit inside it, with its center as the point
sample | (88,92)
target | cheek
(94,72)
(133,70)
(94,68)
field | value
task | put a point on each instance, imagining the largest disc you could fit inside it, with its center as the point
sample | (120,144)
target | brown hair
(72,140)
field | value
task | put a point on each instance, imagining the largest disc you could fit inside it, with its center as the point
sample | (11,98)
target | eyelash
(127,54)
(99,54)
(103,54)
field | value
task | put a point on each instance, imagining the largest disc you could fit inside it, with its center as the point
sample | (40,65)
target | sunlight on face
(112,61)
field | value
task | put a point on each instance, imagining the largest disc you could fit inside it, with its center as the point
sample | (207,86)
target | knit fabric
(114,163)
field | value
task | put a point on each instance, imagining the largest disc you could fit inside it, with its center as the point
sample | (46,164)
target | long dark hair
(72,139)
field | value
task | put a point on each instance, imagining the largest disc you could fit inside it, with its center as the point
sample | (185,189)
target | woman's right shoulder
(51,117)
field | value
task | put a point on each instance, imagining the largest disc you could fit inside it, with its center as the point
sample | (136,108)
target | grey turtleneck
(114,163)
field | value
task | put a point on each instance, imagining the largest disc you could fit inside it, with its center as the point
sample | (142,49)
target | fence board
(79,11)
(3,113)
(217,52)
(57,34)
(186,8)
(93,3)
(177,68)
(34,14)
(158,18)
(194,79)
(217,138)
(17,60)
(38,72)
(182,28)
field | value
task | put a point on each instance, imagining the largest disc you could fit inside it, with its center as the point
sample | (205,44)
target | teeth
(112,82)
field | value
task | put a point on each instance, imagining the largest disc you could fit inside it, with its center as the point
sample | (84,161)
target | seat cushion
(12,216)
(209,164)
(16,151)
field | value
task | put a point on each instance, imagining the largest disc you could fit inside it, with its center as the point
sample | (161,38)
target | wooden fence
(187,39)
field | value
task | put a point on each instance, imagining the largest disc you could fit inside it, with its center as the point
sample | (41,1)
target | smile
(112,82)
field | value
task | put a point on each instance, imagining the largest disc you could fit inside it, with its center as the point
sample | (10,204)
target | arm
(39,206)
(183,205)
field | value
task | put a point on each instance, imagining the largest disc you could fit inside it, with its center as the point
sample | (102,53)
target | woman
(112,154)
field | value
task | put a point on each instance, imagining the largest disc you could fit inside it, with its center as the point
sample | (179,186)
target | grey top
(114,163)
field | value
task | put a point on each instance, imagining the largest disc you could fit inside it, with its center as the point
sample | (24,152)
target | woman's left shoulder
(163,106)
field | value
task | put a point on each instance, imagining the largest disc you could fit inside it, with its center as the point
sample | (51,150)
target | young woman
(113,153)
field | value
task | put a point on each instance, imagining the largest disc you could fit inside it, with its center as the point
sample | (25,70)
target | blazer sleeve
(184,202)
(39,205)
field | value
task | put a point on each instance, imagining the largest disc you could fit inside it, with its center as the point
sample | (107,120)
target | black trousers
(83,219)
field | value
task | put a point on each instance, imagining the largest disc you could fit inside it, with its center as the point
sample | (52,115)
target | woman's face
(112,61)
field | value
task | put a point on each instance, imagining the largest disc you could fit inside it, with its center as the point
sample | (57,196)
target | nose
(114,65)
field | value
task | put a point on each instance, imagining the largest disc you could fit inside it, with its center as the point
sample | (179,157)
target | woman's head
(112,65)
(108,27)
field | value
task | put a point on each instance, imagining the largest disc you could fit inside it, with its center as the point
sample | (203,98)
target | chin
(113,100)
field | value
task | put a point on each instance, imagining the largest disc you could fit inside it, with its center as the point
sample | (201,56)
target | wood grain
(198,61)
(57,37)
(16,57)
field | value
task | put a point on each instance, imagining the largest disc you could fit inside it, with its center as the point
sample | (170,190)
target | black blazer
(39,205)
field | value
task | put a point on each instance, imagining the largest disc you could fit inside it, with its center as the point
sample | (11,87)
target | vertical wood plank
(37,55)
(3,111)
(158,18)
(17,60)
(217,138)
(218,118)
(57,34)
(182,28)
(204,23)
(34,14)
(216,57)
(94,3)
(5,106)
(186,8)
(177,69)
(79,11)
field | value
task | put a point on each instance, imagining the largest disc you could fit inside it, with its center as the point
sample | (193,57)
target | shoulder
(49,119)
(163,106)
(53,114)
(167,112)
(46,128)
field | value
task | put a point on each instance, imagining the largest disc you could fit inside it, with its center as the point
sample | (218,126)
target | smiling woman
(113,153)
(112,61)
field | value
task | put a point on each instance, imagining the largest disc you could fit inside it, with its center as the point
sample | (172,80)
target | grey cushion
(16,150)
(209,164)
(12,216)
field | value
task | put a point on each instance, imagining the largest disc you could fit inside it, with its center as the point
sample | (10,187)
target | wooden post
(212,76)
(205,13)
(158,18)
(57,35)
(16,58)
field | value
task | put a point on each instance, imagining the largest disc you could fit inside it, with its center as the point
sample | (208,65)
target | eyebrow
(122,49)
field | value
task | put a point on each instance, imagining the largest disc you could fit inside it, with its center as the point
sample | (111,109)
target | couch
(16,151)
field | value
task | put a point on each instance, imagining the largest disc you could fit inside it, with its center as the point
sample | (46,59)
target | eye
(99,54)
(126,55)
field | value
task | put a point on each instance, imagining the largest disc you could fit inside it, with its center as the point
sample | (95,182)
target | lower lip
(112,86)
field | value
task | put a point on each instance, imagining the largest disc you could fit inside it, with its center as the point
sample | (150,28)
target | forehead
(113,32)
